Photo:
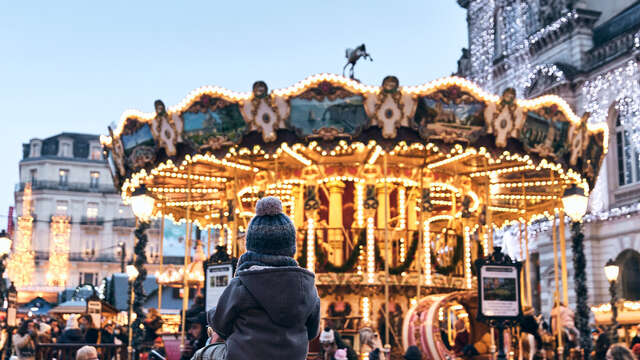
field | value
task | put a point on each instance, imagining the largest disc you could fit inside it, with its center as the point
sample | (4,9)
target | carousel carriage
(394,188)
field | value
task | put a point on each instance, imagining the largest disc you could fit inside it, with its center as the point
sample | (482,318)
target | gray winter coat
(269,313)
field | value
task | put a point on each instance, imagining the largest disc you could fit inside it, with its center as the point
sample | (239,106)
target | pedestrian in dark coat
(72,333)
(271,309)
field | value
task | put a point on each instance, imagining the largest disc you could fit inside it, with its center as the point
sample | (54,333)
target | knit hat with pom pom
(271,231)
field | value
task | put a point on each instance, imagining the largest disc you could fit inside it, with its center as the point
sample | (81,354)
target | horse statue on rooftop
(353,55)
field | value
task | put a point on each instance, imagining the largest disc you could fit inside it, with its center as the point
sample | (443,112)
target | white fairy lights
(311,250)
(481,37)
(402,209)
(426,242)
(371,243)
(360,204)
(467,257)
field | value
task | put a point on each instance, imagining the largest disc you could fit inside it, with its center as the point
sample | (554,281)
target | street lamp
(132,274)
(5,249)
(142,203)
(575,202)
(611,270)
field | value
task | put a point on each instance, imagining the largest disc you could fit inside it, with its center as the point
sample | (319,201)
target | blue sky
(75,66)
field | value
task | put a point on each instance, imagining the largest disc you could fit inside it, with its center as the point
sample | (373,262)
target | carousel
(394,190)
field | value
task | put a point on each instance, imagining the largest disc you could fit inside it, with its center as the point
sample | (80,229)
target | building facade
(587,52)
(70,180)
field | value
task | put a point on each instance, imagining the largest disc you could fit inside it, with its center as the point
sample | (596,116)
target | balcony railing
(68,186)
(92,221)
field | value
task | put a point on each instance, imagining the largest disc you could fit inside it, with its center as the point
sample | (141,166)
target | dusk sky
(76,66)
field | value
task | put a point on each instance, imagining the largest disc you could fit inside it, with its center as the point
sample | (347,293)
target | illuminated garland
(58,272)
(21,265)
(403,266)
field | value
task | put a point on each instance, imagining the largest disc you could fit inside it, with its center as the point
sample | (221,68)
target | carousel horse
(531,339)
(353,55)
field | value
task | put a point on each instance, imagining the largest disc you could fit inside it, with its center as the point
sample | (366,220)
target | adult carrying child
(271,309)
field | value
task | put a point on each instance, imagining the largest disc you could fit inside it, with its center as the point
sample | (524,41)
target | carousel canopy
(462,151)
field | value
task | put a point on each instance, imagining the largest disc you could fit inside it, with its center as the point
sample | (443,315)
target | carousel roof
(217,147)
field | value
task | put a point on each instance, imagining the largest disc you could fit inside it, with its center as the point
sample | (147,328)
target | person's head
(390,83)
(459,325)
(340,354)
(328,341)
(85,322)
(158,343)
(44,329)
(72,322)
(339,297)
(196,325)
(108,327)
(260,89)
(271,232)
(619,352)
(413,353)
(87,353)
(26,327)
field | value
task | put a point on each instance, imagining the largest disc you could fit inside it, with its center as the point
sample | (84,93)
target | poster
(499,291)
(216,280)
(94,308)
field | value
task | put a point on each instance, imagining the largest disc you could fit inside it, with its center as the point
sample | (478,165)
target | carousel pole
(563,260)
(420,236)
(527,264)
(187,253)
(556,293)
(161,260)
(386,255)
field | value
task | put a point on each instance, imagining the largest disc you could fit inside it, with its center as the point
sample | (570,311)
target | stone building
(586,51)
(69,177)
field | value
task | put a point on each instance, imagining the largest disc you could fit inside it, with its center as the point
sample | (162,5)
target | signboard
(499,296)
(94,308)
(217,278)
(11,317)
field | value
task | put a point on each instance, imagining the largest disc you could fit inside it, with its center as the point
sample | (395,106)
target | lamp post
(142,205)
(575,203)
(132,274)
(611,271)
(5,249)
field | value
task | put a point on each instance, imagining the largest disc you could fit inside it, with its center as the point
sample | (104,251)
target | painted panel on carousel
(545,132)
(592,157)
(505,118)
(211,123)
(325,107)
(390,108)
(138,144)
(166,129)
(450,114)
(264,112)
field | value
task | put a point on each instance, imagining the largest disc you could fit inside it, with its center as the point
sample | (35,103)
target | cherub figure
(504,119)
(166,130)
(390,108)
(264,112)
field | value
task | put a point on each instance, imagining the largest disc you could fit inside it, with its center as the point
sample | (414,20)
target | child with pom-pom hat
(271,309)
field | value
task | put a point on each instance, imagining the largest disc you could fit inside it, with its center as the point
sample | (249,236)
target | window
(88,278)
(61,207)
(628,161)
(35,150)
(94,180)
(96,153)
(64,177)
(65,149)
(34,175)
(92,210)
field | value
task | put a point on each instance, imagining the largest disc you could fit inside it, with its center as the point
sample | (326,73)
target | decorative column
(21,265)
(467,258)
(58,272)
(370,206)
(336,189)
